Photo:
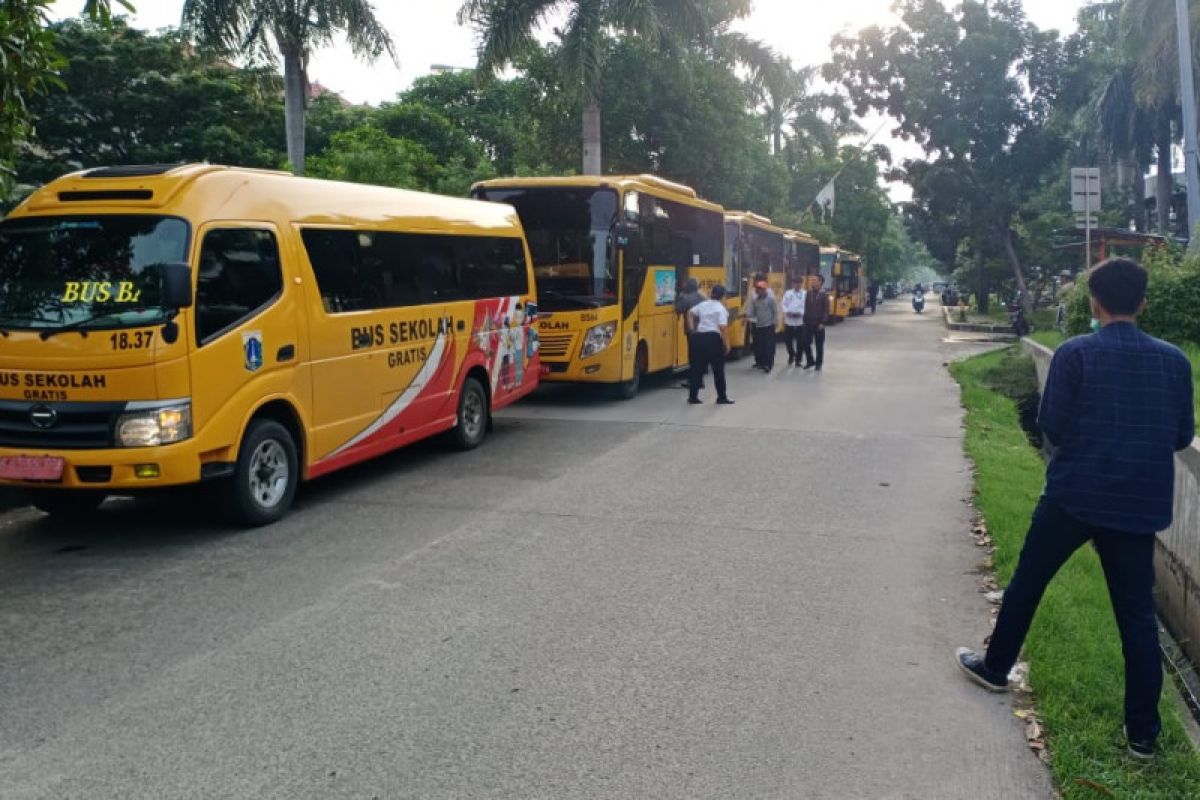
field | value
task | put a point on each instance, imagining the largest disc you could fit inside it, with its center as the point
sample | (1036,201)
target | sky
(427,33)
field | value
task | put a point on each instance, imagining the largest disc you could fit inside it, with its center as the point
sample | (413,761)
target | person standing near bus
(793,319)
(688,299)
(710,323)
(816,314)
(763,315)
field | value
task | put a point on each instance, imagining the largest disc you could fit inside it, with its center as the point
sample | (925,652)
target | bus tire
(473,417)
(66,504)
(627,390)
(265,477)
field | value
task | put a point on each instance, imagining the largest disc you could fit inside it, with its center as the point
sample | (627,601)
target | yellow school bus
(758,251)
(803,257)
(610,254)
(171,325)
(849,294)
(831,269)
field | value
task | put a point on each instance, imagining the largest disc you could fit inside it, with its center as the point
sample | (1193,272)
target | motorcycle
(918,303)
(1016,317)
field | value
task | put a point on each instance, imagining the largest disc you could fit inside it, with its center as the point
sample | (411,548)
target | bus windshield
(86,272)
(569,231)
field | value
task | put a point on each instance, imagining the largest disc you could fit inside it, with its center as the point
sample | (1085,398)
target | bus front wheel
(266,475)
(627,390)
(472,422)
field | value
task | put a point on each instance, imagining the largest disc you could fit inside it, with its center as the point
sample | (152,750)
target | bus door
(246,317)
(658,318)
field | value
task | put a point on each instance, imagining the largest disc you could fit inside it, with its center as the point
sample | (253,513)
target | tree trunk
(777,133)
(1018,272)
(1165,186)
(295,97)
(1137,194)
(591,136)
(982,301)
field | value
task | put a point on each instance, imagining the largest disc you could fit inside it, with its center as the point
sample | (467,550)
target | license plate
(32,468)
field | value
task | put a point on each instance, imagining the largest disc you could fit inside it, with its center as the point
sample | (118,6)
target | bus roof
(204,192)
(642,183)
(755,221)
(801,236)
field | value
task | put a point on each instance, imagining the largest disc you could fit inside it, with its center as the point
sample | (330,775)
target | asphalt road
(613,600)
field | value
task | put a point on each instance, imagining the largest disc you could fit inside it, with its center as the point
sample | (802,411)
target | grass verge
(1076,668)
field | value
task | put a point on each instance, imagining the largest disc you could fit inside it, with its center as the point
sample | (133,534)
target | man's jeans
(1128,561)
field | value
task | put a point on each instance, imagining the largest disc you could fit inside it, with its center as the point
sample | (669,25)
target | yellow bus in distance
(167,325)
(610,255)
(757,251)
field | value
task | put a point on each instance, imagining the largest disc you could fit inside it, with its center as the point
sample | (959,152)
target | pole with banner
(1086,203)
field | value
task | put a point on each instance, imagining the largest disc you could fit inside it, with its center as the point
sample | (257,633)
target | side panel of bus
(396,330)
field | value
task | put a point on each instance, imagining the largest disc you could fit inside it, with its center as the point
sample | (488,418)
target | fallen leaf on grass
(1095,787)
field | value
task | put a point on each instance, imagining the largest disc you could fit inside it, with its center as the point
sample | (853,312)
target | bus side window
(333,255)
(240,275)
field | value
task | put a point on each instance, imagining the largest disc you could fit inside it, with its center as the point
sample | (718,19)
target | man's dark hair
(1119,286)
(717,292)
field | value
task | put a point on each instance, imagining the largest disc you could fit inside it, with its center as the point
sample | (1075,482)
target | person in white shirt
(793,319)
(708,323)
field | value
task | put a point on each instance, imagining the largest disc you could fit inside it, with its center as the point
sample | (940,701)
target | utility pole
(1187,87)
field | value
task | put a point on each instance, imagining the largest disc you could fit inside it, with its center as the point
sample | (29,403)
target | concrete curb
(975,327)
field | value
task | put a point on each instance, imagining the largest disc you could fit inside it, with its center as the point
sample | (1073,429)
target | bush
(1173,308)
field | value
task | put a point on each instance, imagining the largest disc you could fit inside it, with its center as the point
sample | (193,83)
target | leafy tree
(293,29)
(148,98)
(506,32)
(975,88)
(31,64)
(369,155)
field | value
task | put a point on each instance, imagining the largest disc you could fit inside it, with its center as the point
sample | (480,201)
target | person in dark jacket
(1117,406)
(688,299)
(816,314)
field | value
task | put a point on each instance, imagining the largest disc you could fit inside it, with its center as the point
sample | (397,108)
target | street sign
(1085,202)
(1085,189)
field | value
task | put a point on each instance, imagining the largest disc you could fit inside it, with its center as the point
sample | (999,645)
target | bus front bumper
(114,470)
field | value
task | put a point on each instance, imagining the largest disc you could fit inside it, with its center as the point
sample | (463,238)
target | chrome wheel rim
(269,474)
(472,414)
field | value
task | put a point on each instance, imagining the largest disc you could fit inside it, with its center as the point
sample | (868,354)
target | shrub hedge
(1173,308)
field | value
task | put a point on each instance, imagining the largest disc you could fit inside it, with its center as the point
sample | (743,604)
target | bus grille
(78,426)
(555,345)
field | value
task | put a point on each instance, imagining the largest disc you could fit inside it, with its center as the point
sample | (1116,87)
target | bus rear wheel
(471,424)
(66,504)
(265,477)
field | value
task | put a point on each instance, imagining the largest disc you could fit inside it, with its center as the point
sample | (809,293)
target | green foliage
(1073,648)
(1172,298)
(146,98)
(370,155)
(975,87)
(31,64)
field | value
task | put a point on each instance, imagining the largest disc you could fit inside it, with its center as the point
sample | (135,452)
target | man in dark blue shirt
(1117,406)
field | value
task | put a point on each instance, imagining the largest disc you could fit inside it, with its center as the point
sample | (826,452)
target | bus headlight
(155,426)
(598,338)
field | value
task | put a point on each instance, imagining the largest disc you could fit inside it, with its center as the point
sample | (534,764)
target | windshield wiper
(81,326)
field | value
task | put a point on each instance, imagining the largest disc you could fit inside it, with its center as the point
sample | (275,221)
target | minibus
(169,325)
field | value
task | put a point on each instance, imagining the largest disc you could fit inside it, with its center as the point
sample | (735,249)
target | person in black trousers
(688,299)
(816,314)
(709,322)
(1117,405)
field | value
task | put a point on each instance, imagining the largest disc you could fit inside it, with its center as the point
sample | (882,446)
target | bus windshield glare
(570,235)
(86,272)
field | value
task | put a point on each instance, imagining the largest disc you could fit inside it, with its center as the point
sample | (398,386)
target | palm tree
(787,101)
(506,30)
(1151,46)
(258,29)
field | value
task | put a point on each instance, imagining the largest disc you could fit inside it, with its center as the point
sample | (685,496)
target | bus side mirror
(176,286)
